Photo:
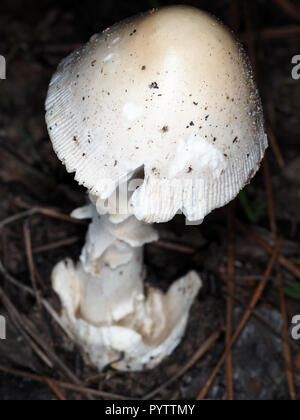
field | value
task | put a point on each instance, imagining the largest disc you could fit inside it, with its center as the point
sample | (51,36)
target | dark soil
(34,37)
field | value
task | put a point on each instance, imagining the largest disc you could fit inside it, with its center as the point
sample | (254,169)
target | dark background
(34,37)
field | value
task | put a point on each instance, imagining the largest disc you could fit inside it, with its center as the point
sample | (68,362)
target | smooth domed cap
(170,91)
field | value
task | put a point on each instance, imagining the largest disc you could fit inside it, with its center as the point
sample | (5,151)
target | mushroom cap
(170,91)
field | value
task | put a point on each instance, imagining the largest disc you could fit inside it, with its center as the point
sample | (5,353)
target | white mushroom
(119,327)
(168,97)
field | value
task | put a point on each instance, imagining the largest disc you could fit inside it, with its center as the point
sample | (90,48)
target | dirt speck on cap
(154,85)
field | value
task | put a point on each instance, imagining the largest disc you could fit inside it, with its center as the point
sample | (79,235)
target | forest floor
(232,250)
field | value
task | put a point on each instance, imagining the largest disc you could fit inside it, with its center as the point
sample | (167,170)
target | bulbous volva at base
(105,305)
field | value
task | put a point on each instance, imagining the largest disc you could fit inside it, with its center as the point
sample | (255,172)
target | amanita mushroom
(167,96)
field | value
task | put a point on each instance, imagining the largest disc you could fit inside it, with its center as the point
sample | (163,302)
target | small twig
(255,238)
(258,316)
(101,376)
(290,8)
(246,279)
(194,359)
(53,386)
(12,169)
(172,246)
(49,212)
(286,340)
(15,282)
(275,147)
(230,304)
(39,277)
(17,217)
(285,328)
(255,299)
(19,323)
(61,216)
(31,264)
(30,292)
(273,34)
(55,245)
(291,31)
(64,385)
(58,320)
(26,327)
(270,197)
(3,233)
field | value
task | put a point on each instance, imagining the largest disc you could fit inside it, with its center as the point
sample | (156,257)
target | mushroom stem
(104,302)
(112,258)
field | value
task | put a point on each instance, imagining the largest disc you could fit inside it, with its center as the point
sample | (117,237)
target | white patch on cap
(116,40)
(108,57)
(197,153)
(131,111)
